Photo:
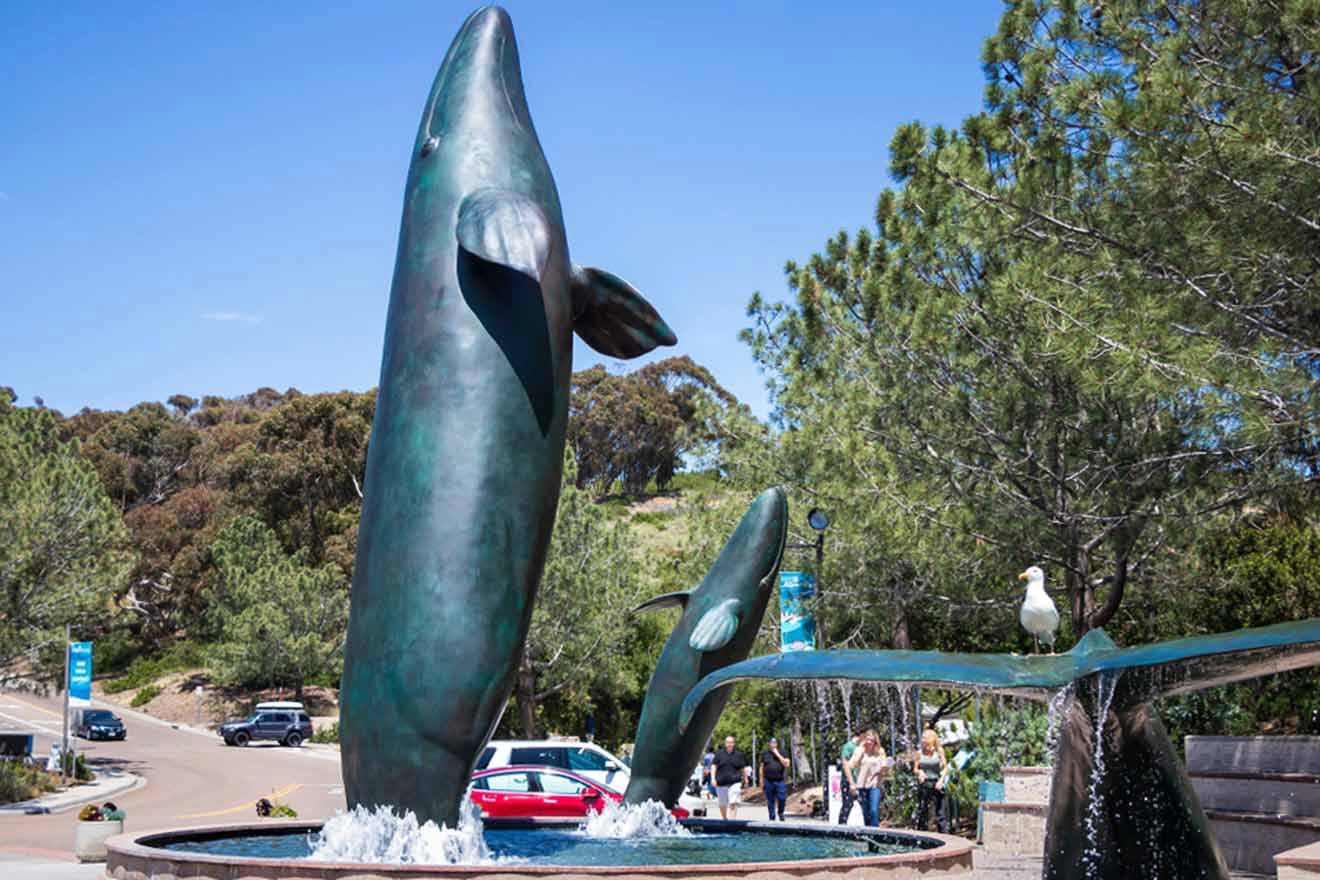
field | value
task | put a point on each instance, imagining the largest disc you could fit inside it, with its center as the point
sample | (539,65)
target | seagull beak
(1023,576)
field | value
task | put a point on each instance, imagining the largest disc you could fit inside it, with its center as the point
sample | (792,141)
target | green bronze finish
(718,627)
(467,445)
(1121,804)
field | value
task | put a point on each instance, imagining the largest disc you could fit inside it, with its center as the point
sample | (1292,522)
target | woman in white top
(866,771)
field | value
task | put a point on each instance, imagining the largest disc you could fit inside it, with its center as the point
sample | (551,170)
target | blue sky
(204,198)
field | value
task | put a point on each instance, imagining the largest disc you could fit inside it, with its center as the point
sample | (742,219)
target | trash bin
(987,792)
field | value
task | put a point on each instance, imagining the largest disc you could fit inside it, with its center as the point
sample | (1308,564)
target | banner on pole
(797,625)
(80,673)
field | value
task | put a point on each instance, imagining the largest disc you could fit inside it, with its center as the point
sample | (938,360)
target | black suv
(100,724)
(285,727)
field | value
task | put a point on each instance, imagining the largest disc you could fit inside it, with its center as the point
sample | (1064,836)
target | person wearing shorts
(731,772)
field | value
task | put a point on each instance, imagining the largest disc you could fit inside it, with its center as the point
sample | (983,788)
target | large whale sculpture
(467,445)
(1121,804)
(718,626)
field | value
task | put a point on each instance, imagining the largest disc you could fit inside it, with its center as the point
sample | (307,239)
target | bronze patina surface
(1121,804)
(718,626)
(467,446)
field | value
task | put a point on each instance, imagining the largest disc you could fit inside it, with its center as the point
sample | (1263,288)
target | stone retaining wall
(1261,794)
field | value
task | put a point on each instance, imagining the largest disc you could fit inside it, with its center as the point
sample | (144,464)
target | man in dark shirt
(772,779)
(731,772)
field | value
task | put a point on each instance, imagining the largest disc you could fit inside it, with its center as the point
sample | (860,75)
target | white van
(583,758)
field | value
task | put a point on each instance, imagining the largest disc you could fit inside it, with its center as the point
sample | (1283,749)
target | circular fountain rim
(138,845)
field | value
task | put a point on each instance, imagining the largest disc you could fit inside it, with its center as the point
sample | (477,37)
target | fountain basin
(149,856)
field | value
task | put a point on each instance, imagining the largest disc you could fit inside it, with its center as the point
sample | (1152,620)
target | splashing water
(381,836)
(845,691)
(1057,713)
(1106,684)
(633,822)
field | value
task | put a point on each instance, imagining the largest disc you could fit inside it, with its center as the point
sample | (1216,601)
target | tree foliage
(633,429)
(279,620)
(580,624)
(1060,343)
(63,546)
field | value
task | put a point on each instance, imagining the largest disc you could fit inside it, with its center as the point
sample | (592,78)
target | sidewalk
(21,867)
(102,788)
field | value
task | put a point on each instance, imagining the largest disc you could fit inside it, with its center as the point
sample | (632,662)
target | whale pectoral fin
(668,600)
(613,318)
(717,626)
(504,227)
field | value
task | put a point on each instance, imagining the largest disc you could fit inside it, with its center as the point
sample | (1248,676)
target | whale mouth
(773,569)
(480,78)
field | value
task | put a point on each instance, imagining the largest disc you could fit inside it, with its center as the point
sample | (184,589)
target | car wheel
(293,740)
(242,738)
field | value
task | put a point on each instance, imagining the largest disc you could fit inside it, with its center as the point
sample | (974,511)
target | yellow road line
(248,805)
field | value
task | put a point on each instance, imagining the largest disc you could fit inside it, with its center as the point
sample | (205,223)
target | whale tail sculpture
(1121,804)
(718,627)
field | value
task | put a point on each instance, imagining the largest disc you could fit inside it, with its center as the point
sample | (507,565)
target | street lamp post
(819,521)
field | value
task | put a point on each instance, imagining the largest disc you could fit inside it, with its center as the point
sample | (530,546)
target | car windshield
(99,715)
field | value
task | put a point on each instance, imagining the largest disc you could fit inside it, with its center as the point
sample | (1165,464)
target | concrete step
(1253,754)
(1302,863)
(996,866)
(1250,841)
(1272,794)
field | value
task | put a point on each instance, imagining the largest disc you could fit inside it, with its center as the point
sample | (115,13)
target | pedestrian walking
(708,773)
(773,765)
(931,767)
(731,772)
(847,794)
(867,769)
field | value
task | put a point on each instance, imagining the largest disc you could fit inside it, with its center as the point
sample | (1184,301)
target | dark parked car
(100,724)
(284,727)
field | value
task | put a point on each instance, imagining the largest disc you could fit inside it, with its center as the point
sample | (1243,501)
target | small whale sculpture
(1121,804)
(719,624)
(467,445)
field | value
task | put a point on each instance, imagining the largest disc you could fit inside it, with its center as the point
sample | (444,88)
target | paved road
(192,777)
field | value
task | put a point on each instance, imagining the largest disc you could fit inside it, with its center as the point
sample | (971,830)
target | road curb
(60,802)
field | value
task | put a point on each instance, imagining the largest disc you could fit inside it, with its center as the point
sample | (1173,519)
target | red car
(525,792)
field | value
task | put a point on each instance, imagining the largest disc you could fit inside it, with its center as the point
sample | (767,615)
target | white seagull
(1038,615)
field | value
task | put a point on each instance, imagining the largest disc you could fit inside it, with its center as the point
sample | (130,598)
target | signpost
(77,690)
(80,673)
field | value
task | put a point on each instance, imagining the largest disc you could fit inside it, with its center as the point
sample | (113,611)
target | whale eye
(429,145)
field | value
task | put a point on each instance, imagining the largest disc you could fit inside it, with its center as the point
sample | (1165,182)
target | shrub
(145,695)
(145,670)
(90,813)
(327,734)
(21,782)
(75,767)
(1004,738)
